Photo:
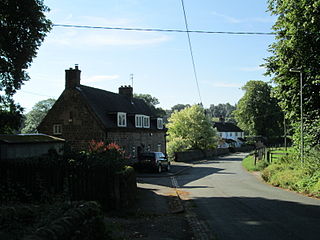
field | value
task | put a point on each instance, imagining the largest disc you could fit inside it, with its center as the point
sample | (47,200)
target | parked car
(153,160)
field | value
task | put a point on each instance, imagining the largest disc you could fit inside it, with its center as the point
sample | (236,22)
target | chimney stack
(126,91)
(73,77)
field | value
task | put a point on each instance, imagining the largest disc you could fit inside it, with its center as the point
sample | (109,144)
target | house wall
(131,141)
(79,125)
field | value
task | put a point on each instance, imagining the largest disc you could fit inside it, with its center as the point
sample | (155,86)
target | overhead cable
(161,30)
(191,51)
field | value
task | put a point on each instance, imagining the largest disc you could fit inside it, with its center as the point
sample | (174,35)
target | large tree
(258,113)
(35,116)
(23,27)
(152,103)
(190,129)
(297,46)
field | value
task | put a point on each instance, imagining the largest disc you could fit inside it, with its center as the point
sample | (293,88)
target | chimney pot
(126,91)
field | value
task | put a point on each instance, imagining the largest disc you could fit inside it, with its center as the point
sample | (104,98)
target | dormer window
(146,121)
(139,121)
(122,119)
(159,123)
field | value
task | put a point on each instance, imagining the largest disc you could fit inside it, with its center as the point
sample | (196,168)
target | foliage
(297,46)
(248,163)
(221,110)
(190,129)
(179,107)
(151,102)
(10,116)
(258,113)
(23,28)
(289,172)
(35,116)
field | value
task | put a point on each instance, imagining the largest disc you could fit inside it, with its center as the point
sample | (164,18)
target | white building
(230,134)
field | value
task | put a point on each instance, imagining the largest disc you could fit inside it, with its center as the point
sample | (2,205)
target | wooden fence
(37,179)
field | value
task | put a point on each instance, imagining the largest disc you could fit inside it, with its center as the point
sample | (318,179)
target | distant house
(84,113)
(230,134)
(28,145)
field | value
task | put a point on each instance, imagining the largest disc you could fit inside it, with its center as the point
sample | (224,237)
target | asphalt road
(235,204)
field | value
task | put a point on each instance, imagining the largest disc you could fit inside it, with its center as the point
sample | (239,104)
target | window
(146,121)
(57,129)
(159,123)
(159,147)
(139,121)
(122,119)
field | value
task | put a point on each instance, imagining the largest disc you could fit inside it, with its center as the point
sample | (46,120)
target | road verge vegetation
(287,171)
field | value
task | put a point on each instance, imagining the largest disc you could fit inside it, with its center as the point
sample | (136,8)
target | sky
(159,61)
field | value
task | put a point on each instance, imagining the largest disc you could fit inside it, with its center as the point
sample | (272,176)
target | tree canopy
(258,113)
(190,129)
(35,116)
(152,102)
(23,27)
(297,46)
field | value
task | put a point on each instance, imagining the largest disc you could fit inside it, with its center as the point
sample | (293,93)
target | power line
(191,51)
(161,30)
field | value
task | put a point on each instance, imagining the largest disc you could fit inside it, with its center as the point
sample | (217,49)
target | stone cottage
(84,113)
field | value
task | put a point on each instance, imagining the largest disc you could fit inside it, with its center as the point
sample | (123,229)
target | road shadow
(259,218)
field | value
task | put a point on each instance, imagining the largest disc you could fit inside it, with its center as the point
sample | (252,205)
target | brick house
(83,113)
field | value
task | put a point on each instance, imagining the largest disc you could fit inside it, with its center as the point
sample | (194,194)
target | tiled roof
(226,127)
(106,104)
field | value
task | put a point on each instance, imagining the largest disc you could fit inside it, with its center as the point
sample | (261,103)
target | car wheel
(168,167)
(159,168)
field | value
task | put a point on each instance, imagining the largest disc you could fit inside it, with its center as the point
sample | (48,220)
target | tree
(35,116)
(190,129)
(297,45)
(222,109)
(152,102)
(23,27)
(179,107)
(258,113)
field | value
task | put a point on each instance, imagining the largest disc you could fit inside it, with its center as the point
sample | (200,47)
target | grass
(248,163)
(288,172)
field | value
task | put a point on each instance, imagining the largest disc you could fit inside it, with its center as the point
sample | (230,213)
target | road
(237,205)
(234,204)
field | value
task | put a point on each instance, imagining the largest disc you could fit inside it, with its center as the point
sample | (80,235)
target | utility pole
(301,113)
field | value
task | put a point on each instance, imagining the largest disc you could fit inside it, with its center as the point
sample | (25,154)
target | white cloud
(100,78)
(99,38)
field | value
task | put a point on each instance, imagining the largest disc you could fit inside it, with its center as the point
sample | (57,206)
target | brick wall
(146,140)
(78,123)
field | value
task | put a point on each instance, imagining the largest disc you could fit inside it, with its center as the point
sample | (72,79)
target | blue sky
(160,61)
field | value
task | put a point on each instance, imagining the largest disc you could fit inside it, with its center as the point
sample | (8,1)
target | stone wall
(145,140)
(207,154)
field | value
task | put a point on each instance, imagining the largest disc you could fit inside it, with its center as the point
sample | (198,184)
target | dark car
(153,160)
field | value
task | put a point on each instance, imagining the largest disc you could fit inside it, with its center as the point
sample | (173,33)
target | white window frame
(57,129)
(159,123)
(122,119)
(139,120)
(146,121)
